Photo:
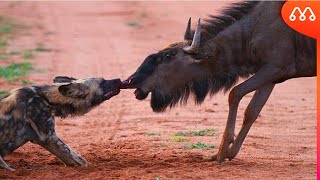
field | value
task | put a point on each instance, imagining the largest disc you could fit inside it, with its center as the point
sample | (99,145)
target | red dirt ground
(111,39)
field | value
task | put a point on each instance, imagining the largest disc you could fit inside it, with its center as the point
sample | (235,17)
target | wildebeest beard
(199,89)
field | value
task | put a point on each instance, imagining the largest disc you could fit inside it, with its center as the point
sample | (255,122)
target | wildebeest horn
(196,40)
(188,34)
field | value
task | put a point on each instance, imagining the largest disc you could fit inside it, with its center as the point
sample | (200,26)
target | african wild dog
(27,114)
(248,40)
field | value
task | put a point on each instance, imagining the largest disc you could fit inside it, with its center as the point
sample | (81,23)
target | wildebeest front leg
(263,77)
(5,165)
(63,152)
(255,106)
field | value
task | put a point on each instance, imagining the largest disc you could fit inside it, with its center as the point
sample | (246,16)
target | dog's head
(93,91)
(70,96)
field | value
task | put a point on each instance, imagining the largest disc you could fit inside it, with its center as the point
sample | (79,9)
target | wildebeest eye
(170,54)
(167,57)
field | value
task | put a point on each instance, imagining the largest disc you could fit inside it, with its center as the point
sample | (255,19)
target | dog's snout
(116,82)
(112,84)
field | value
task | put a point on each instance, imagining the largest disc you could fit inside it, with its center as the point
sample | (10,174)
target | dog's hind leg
(5,165)
(63,152)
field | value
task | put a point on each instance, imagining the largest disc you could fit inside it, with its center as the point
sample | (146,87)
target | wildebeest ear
(74,90)
(63,79)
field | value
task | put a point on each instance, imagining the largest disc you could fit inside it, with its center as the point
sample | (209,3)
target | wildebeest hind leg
(5,165)
(63,152)
(256,104)
(263,77)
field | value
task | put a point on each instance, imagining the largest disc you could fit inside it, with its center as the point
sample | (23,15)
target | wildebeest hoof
(213,158)
(218,158)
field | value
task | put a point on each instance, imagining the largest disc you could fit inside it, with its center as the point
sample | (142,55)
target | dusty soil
(111,39)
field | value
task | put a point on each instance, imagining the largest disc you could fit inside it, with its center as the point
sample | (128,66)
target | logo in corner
(302,16)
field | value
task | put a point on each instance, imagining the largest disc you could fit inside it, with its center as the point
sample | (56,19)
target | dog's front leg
(63,152)
(43,123)
(4,165)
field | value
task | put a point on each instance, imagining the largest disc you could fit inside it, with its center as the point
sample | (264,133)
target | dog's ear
(74,90)
(63,79)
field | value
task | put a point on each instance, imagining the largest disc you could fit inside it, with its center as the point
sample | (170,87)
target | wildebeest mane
(198,88)
(217,23)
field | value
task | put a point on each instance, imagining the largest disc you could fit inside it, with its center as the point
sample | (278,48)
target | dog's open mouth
(112,93)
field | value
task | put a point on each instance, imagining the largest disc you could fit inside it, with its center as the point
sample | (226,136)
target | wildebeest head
(172,73)
(77,97)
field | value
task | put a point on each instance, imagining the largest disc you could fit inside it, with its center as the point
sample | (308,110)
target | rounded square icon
(303,16)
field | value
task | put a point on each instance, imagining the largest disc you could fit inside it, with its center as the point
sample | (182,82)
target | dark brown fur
(248,40)
(27,114)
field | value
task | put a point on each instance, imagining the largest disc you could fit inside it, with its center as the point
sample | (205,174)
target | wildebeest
(248,40)
(27,114)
